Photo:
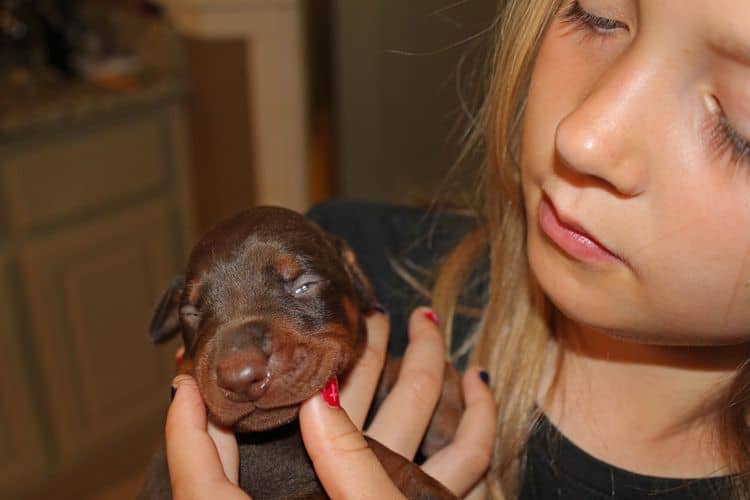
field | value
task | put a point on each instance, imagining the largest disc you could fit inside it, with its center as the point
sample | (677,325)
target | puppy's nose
(243,372)
(241,366)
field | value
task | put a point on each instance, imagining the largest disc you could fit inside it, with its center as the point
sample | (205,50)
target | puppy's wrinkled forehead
(253,259)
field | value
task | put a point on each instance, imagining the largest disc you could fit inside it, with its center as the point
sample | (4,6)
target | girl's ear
(362,287)
(165,323)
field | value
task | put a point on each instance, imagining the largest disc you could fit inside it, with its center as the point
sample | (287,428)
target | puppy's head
(270,308)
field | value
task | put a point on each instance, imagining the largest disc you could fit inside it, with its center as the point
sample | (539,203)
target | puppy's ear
(362,286)
(166,321)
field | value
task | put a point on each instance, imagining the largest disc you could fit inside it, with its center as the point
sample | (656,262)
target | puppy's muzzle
(242,361)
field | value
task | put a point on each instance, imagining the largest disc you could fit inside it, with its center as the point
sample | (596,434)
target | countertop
(51,103)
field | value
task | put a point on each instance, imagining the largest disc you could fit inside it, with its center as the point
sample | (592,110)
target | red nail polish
(331,393)
(431,316)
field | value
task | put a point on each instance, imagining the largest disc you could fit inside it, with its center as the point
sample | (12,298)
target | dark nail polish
(485,377)
(379,308)
(174,389)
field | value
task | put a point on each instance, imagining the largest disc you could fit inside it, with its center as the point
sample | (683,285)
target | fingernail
(174,390)
(485,377)
(430,314)
(379,308)
(330,393)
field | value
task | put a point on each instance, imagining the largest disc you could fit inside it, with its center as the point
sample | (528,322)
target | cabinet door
(91,292)
(22,457)
(84,169)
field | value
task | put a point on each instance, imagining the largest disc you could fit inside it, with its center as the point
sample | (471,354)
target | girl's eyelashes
(724,137)
(592,24)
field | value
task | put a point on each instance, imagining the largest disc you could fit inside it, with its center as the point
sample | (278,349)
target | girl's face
(636,168)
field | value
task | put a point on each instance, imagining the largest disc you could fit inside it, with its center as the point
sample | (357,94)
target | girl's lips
(571,237)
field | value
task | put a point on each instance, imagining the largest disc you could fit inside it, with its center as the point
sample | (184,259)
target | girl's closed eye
(723,136)
(589,23)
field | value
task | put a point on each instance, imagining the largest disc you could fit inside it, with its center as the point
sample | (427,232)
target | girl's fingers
(405,413)
(479,492)
(359,386)
(195,468)
(229,454)
(461,464)
(186,430)
(343,462)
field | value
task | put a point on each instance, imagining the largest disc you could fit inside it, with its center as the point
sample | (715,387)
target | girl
(616,330)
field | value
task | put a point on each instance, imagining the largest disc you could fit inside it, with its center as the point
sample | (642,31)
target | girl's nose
(604,139)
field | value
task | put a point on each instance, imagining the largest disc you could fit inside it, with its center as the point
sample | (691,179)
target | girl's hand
(204,462)
(342,460)
(203,459)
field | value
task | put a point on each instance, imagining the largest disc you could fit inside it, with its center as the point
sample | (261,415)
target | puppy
(270,309)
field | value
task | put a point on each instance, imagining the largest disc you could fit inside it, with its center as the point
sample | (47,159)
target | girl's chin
(648,337)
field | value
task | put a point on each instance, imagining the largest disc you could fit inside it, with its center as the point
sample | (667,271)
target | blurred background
(128,127)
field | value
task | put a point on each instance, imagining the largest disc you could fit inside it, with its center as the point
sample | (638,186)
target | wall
(399,118)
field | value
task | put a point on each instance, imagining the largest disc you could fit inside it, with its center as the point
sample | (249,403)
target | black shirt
(556,469)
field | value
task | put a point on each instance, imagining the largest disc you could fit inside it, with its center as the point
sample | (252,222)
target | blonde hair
(517,317)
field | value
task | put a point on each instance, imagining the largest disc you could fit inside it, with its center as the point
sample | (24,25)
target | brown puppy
(270,309)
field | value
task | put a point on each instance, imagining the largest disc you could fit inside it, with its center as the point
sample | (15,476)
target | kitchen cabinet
(96,219)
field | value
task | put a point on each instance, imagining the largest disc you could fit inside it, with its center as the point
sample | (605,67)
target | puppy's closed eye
(191,315)
(305,284)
